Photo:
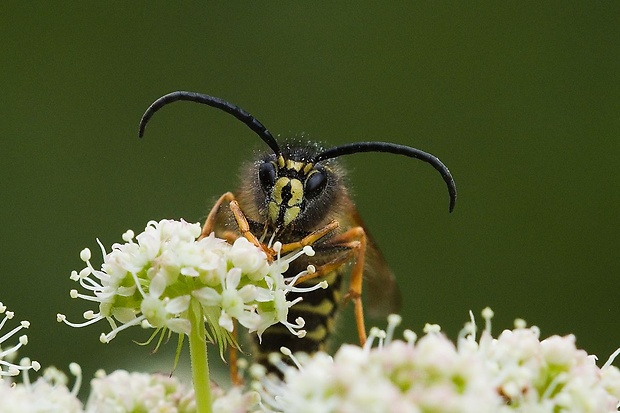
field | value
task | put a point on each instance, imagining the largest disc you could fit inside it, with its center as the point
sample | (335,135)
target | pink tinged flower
(516,371)
(48,393)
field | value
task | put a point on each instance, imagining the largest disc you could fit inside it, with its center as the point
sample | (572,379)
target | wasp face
(294,192)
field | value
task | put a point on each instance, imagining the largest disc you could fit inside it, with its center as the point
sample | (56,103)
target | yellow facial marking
(277,189)
(290,214)
(280,161)
(273,211)
(308,168)
(297,192)
(294,165)
(287,186)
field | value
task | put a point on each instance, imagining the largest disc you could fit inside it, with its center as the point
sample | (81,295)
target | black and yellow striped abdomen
(318,309)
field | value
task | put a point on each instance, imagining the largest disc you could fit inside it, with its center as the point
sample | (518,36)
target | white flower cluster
(48,394)
(513,372)
(118,392)
(122,391)
(152,280)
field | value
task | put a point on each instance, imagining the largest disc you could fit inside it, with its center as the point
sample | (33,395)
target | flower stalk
(199,359)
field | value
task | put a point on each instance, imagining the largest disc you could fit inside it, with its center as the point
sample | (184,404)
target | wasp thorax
(289,186)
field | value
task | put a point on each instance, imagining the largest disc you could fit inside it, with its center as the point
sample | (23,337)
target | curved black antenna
(357,147)
(212,101)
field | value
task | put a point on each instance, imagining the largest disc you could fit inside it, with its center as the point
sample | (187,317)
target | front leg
(240,218)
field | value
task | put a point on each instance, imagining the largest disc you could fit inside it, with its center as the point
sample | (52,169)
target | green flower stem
(198,356)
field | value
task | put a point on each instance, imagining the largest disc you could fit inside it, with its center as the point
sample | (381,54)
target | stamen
(23,324)
(276,360)
(277,247)
(487,314)
(135,278)
(24,366)
(469,330)
(76,294)
(372,334)
(287,352)
(611,359)
(23,340)
(108,337)
(394,321)
(431,328)
(473,323)
(9,315)
(85,255)
(76,370)
(271,239)
(102,248)
(410,337)
(381,337)
(61,318)
(127,236)
(308,250)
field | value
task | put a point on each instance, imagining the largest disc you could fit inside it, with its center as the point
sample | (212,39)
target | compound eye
(267,175)
(315,183)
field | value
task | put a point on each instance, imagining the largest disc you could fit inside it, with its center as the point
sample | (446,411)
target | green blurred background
(520,100)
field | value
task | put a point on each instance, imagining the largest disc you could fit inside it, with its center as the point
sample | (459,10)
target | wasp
(296,193)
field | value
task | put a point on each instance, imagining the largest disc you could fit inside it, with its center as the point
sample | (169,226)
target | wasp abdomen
(318,309)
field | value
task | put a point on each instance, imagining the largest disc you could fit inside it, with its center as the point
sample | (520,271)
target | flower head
(514,372)
(151,278)
(122,391)
(49,393)
(545,375)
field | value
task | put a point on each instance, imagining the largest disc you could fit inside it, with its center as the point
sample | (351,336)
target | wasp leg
(354,243)
(229,236)
(310,238)
(242,222)
(235,378)
(209,224)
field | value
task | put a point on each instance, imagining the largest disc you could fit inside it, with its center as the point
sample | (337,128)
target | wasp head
(290,190)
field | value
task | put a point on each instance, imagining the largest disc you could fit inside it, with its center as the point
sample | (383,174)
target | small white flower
(252,261)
